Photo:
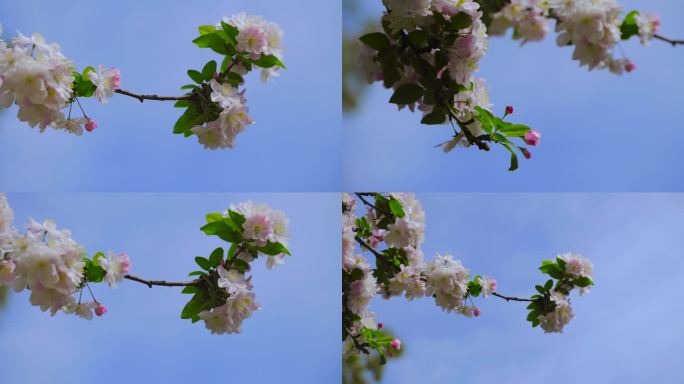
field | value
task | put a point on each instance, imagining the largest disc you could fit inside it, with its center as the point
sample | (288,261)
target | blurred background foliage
(364,369)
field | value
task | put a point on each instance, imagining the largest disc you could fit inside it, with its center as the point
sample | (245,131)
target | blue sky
(626,330)
(294,145)
(294,337)
(600,132)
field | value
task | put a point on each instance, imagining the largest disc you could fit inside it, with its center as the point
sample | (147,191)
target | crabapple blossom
(555,321)
(488,285)
(577,265)
(115,266)
(106,80)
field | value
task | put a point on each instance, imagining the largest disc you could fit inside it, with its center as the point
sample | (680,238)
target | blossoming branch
(391,233)
(57,270)
(46,86)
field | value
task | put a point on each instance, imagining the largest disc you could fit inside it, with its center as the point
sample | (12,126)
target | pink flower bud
(532,137)
(100,310)
(396,344)
(629,67)
(379,325)
(476,312)
(526,153)
(509,109)
(90,125)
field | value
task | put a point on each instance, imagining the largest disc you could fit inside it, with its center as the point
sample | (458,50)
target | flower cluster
(223,296)
(593,27)
(551,307)
(398,221)
(392,230)
(49,263)
(428,53)
(216,109)
(42,82)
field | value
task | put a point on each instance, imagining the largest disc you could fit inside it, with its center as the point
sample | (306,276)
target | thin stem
(674,42)
(91,293)
(82,111)
(511,298)
(368,247)
(152,97)
(161,283)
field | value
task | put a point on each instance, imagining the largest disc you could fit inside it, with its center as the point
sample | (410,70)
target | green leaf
(513,130)
(461,21)
(197,304)
(203,263)
(196,76)
(437,116)
(273,249)
(190,290)
(407,94)
(209,71)
(514,157)
(205,29)
(552,270)
(214,216)
(189,86)
(396,208)
(237,218)
(629,26)
(213,41)
(583,282)
(375,40)
(231,31)
(223,230)
(196,273)
(539,289)
(182,104)
(240,265)
(187,120)
(268,61)
(216,257)
(96,258)
(548,285)
(419,38)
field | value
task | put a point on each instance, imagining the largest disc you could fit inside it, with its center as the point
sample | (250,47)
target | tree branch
(511,298)
(371,249)
(153,97)
(161,283)
(668,40)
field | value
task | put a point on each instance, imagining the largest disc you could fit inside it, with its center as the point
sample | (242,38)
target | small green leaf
(214,216)
(375,40)
(187,120)
(196,76)
(190,290)
(209,71)
(407,94)
(396,208)
(273,249)
(629,26)
(268,61)
(513,130)
(583,282)
(223,230)
(204,29)
(240,265)
(419,38)
(203,263)
(197,304)
(514,157)
(461,20)
(216,257)
(213,41)
(437,116)
(182,104)
(196,273)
